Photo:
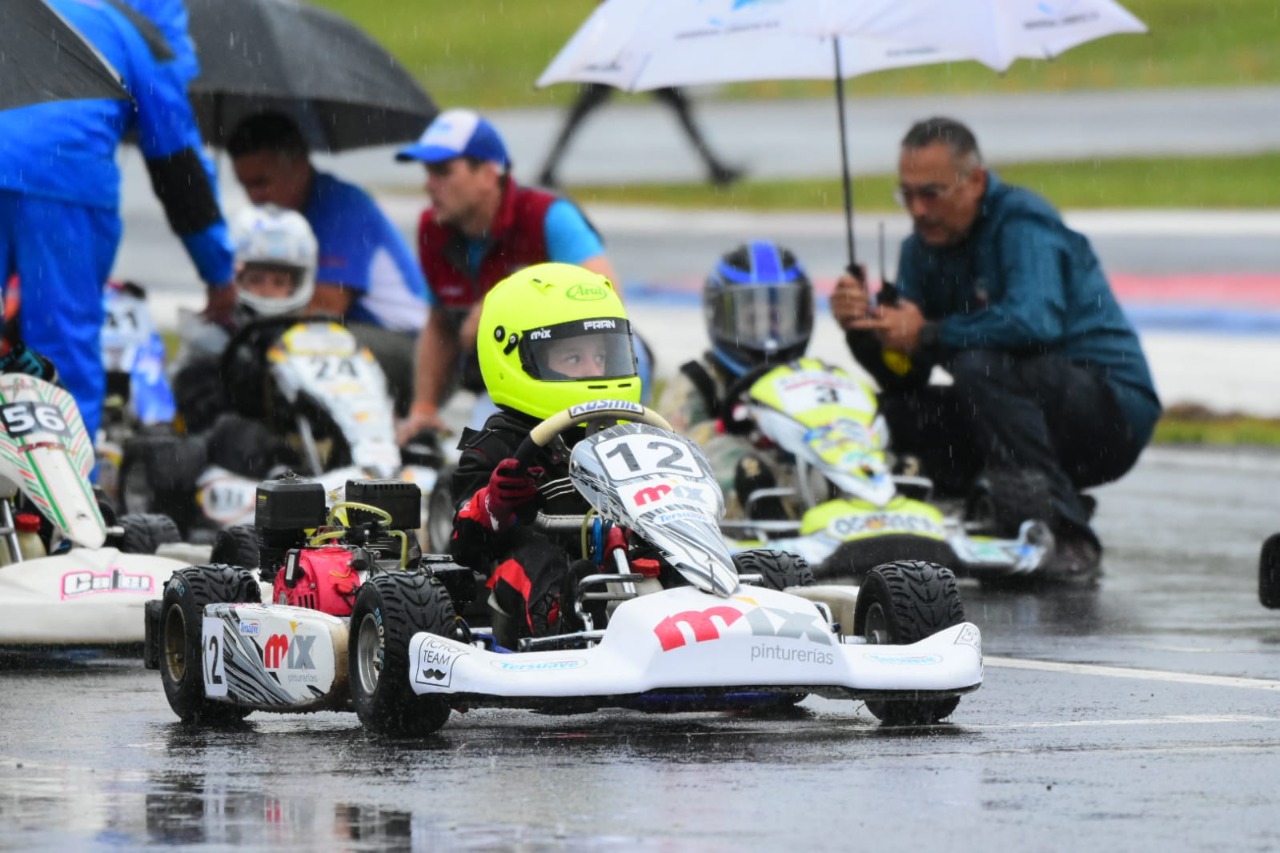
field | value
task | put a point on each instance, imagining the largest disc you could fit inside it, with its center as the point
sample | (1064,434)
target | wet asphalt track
(1140,716)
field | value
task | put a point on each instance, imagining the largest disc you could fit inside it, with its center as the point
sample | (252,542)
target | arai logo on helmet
(587,293)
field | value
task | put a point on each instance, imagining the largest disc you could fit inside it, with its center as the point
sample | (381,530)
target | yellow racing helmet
(553,336)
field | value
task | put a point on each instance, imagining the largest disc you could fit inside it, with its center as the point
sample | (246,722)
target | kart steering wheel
(253,331)
(598,412)
(733,396)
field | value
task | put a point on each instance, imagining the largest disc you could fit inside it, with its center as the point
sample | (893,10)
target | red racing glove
(510,486)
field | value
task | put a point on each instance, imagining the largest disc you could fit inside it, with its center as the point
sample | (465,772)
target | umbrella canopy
(648,44)
(343,88)
(43,58)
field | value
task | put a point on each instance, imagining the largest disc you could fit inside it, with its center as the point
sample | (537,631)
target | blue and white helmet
(758,305)
(276,237)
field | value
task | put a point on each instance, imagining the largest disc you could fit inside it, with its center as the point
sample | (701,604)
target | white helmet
(275,236)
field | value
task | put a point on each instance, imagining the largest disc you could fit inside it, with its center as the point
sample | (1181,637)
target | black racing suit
(526,568)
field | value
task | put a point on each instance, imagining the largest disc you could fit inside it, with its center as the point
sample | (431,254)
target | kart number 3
(22,418)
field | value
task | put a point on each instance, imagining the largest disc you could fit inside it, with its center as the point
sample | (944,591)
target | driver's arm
(436,356)
(331,298)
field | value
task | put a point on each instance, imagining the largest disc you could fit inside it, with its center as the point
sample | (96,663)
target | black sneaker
(1075,559)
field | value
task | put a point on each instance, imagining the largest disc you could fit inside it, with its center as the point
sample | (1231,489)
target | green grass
(1210,182)
(487,53)
(1199,426)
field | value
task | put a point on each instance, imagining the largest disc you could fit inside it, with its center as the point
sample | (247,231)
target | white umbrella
(648,44)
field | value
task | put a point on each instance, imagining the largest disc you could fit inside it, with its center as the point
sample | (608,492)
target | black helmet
(758,304)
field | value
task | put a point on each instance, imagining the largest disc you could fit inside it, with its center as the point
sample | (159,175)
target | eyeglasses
(929,193)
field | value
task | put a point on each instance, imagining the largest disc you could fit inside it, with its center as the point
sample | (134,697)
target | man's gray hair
(953,134)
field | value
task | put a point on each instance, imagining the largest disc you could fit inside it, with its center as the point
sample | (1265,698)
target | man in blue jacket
(1051,391)
(60,196)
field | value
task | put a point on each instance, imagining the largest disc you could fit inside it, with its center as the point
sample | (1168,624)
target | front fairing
(45,454)
(324,363)
(659,485)
(829,420)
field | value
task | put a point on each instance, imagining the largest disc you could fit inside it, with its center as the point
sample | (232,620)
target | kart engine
(325,577)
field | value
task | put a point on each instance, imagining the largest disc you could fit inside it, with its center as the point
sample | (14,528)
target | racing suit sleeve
(476,542)
(180,174)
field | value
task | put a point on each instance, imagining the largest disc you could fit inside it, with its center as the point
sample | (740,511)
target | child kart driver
(551,336)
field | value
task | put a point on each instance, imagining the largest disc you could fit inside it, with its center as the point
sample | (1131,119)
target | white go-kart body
(84,594)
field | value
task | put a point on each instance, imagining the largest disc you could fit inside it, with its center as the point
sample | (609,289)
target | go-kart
(851,511)
(670,621)
(67,577)
(316,390)
(138,397)
(222,652)
(1269,573)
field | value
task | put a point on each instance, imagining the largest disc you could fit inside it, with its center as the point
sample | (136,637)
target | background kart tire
(778,569)
(440,513)
(851,561)
(181,639)
(144,532)
(902,603)
(1269,573)
(236,546)
(390,608)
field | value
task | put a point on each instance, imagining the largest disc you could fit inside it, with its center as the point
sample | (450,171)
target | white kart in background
(66,578)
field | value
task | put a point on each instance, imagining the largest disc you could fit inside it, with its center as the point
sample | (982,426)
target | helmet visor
(764,319)
(582,349)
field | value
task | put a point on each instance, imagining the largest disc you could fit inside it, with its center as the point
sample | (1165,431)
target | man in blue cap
(481,227)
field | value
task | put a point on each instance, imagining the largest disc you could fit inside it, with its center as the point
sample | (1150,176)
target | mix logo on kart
(283,652)
(675,630)
(883,522)
(75,584)
(648,495)
(601,405)
(436,660)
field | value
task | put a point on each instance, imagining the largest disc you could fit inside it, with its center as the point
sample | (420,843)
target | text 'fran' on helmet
(274,238)
(552,336)
(758,305)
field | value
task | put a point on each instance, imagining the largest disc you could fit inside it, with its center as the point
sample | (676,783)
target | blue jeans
(62,254)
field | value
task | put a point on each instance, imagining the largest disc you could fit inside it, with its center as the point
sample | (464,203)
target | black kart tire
(146,531)
(181,638)
(390,608)
(902,603)
(236,546)
(1269,573)
(777,569)
(440,512)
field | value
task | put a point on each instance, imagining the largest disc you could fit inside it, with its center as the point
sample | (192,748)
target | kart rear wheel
(144,532)
(440,513)
(902,603)
(1269,573)
(237,546)
(777,569)
(390,608)
(181,638)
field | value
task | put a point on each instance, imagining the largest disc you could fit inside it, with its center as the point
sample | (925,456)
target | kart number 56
(22,418)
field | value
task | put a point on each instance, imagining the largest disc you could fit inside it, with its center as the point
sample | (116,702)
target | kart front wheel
(777,569)
(182,642)
(390,608)
(1269,573)
(902,603)
(144,532)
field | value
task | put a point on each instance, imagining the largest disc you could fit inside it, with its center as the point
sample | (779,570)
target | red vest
(516,240)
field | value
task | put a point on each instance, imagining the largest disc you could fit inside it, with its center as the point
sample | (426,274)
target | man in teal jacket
(1051,391)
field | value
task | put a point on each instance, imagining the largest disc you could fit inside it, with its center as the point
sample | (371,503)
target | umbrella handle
(844,157)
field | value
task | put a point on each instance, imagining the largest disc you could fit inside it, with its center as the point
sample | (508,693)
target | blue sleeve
(570,238)
(180,172)
(1031,306)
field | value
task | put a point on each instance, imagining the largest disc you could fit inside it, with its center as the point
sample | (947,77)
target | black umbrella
(43,58)
(343,88)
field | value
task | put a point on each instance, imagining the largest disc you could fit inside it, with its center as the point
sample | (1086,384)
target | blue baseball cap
(457,133)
